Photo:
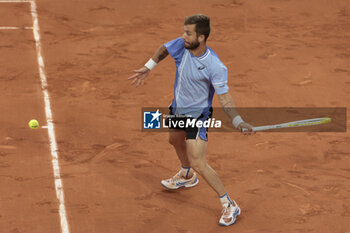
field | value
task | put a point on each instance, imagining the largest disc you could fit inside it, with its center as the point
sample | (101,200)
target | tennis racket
(307,122)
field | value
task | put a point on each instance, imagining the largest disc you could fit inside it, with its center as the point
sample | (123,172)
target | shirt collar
(201,57)
(204,55)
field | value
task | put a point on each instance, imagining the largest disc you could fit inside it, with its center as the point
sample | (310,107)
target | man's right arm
(141,74)
(160,54)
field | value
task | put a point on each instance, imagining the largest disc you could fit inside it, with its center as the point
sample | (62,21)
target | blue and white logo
(151,120)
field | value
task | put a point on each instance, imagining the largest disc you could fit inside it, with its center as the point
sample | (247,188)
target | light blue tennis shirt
(197,79)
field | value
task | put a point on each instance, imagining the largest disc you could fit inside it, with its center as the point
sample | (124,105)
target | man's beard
(192,45)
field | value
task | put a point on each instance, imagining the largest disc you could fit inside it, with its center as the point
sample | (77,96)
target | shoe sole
(235,215)
(185,186)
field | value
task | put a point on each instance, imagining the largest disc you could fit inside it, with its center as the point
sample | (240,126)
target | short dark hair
(202,23)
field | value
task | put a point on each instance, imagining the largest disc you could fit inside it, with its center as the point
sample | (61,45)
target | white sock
(225,199)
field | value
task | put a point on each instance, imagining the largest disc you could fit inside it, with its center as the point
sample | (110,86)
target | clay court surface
(279,53)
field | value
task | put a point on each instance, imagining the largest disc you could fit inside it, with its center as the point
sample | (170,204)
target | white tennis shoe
(229,214)
(179,181)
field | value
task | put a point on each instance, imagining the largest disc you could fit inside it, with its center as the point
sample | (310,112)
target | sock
(187,172)
(224,199)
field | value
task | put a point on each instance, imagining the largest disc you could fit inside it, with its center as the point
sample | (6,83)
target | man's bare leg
(196,152)
(186,177)
(177,140)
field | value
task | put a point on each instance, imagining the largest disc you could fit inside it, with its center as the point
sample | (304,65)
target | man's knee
(198,165)
(176,139)
(173,141)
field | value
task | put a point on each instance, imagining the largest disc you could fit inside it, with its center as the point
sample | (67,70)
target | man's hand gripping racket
(246,128)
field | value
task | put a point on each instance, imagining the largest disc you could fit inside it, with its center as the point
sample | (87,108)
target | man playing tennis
(199,75)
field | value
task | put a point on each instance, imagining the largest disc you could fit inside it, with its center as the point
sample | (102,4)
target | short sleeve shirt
(197,79)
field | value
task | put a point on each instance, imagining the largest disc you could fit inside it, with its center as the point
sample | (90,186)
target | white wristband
(237,120)
(151,64)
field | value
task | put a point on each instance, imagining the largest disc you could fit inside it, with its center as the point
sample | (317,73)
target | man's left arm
(227,103)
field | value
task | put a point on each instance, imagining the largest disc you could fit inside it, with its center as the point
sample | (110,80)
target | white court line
(49,119)
(14,28)
(50,125)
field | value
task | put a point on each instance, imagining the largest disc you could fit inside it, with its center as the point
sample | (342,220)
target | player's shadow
(171,191)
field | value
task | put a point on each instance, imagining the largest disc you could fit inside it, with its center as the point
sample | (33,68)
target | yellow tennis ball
(33,124)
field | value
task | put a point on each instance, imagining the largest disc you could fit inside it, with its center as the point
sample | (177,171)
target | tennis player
(199,74)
